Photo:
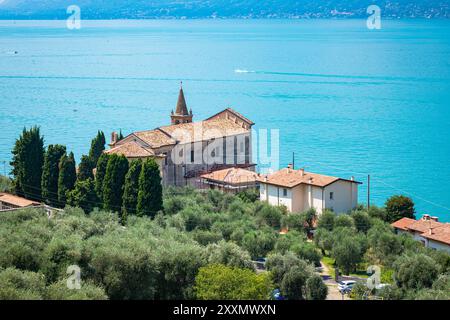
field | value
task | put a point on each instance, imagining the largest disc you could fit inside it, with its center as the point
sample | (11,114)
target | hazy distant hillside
(134,9)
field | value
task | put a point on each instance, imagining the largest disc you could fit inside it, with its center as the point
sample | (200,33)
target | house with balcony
(299,190)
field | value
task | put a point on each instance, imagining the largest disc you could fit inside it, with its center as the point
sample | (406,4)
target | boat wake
(243,71)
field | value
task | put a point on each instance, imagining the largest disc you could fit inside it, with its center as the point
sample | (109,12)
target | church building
(185,150)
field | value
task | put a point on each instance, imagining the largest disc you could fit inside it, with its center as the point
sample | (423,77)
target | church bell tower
(181,114)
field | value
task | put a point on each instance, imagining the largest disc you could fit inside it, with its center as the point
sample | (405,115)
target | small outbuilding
(9,201)
(231,179)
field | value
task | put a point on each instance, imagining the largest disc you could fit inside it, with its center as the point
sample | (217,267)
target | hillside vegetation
(143,9)
(174,254)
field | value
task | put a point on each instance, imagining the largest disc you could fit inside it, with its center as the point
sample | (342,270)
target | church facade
(185,149)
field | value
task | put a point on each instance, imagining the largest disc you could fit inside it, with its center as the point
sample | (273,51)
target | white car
(346,286)
(382,286)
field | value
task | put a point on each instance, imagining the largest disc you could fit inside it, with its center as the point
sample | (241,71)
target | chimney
(436,219)
(289,166)
(426,217)
(310,180)
(114,138)
(430,231)
(352,178)
(265,178)
(302,172)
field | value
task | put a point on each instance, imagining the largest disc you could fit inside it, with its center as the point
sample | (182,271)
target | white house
(299,190)
(428,230)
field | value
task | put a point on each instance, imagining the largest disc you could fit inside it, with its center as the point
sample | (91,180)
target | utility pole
(293,160)
(368,191)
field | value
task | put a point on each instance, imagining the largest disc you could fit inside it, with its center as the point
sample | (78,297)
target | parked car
(276,295)
(260,263)
(346,286)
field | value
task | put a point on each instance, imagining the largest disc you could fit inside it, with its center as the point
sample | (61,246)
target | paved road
(333,292)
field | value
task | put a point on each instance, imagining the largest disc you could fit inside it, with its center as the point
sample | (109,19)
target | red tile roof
(427,228)
(16,200)
(232,176)
(423,225)
(440,234)
(218,126)
(291,178)
(403,223)
(131,149)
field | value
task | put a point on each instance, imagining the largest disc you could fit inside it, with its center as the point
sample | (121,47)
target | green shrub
(219,282)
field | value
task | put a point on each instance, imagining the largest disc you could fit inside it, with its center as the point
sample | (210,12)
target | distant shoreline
(62,18)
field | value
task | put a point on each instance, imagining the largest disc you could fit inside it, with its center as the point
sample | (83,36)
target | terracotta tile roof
(237,114)
(403,223)
(131,149)
(427,228)
(203,130)
(213,128)
(155,138)
(232,176)
(290,178)
(423,225)
(16,200)
(440,233)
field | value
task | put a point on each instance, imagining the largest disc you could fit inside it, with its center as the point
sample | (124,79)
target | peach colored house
(299,190)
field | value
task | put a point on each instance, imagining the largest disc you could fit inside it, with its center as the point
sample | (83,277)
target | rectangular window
(247,150)
(284,192)
(217,152)
(224,147)
(331,195)
(192,156)
(235,151)
(165,158)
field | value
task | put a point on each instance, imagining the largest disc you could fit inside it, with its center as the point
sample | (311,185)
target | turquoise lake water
(347,100)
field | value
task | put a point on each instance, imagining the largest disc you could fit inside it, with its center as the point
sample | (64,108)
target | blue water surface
(347,100)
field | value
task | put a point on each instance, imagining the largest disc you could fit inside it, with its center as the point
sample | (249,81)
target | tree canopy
(27,163)
(113,183)
(67,177)
(398,207)
(219,282)
(50,173)
(150,189)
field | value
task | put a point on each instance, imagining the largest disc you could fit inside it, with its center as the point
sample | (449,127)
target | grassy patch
(360,272)
(329,262)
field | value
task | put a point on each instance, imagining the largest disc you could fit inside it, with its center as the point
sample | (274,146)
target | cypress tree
(150,189)
(100,174)
(116,169)
(27,162)
(97,147)
(50,173)
(67,177)
(85,169)
(131,189)
(120,136)
(83,195)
